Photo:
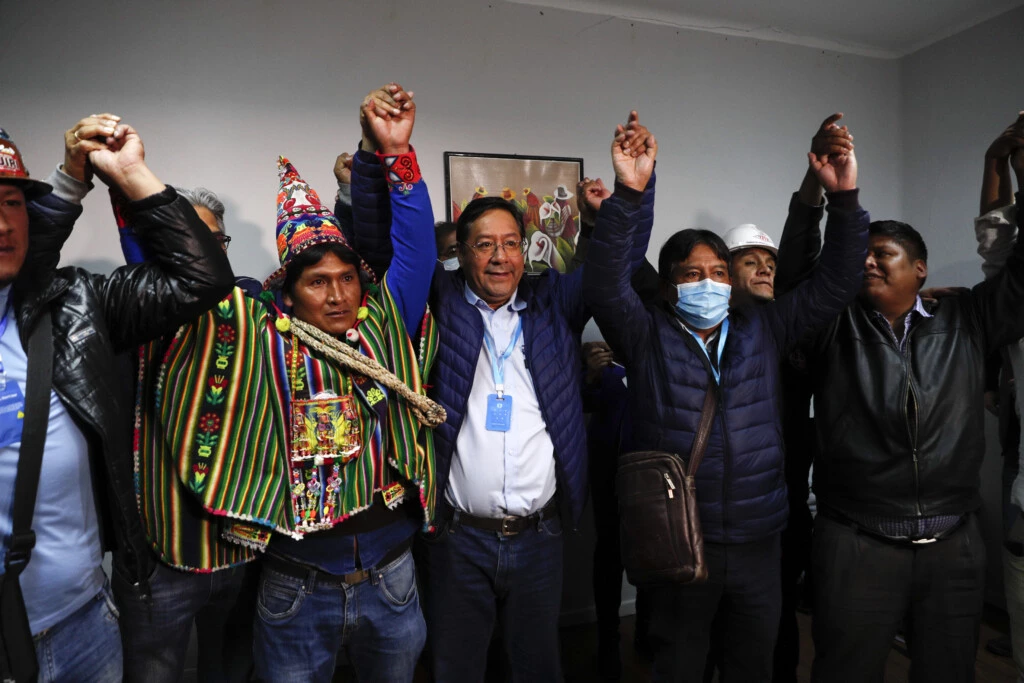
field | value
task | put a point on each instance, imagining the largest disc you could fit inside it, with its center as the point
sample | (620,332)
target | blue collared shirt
(494,474)
(64,572)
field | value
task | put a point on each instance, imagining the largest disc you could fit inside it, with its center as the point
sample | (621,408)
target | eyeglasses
(224,240)
(487,248)
(450,252)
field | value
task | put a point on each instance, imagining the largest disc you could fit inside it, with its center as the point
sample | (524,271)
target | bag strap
(33,438)
(700,440)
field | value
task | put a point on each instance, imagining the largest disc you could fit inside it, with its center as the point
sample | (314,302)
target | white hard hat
(746,236)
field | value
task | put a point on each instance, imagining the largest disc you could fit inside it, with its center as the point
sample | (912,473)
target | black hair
(312,256)
(479,207)
(678,247)
(441,230)
(904,235)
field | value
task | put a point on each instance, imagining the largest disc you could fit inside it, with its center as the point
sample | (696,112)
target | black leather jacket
(904,434)
(96,317)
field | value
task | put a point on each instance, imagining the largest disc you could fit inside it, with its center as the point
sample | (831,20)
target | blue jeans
(303,624)
(474,578)
(155,630)
(85,647)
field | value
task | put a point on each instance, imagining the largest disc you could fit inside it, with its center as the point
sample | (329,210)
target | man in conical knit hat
(85,482)
(250,439)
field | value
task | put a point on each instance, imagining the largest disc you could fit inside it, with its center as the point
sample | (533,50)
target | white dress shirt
(494,474)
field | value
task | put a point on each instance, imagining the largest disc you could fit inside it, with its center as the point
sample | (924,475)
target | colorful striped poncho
(213,471)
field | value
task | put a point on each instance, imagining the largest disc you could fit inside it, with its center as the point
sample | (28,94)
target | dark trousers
(473,579)
(866,588)
(608,559)
(155,631)
(796,562)
(739,606)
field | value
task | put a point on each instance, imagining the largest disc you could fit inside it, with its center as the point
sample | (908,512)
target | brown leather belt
(509,525)
(301,571)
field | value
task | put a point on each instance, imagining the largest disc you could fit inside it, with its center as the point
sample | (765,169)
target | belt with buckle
(301,571)
(509,525)
(901,541)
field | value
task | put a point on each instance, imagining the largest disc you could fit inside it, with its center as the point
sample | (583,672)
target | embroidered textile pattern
(249,476)
(182,534)
(402,170)
(427,411)
(302,222)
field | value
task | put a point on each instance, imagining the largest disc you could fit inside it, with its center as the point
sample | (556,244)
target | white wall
(218,90)
(959,94)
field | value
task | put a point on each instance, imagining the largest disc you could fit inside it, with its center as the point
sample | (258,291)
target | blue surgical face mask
(451,263)
(704,304)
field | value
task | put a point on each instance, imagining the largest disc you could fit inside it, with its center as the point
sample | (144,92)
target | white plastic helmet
(746,236)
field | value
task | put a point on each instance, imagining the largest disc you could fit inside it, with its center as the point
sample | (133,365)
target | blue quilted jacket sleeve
(343,212)
(371,213)
(51,219)
(644,225)
(607,273)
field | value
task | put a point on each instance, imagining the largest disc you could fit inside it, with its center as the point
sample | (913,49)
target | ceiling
(875,28)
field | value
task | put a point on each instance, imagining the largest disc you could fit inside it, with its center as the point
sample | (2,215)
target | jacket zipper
(912,430)
(86,419)
(720,409)
(725,461)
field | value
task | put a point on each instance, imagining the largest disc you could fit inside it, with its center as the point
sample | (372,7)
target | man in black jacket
(899,415)
(86,500)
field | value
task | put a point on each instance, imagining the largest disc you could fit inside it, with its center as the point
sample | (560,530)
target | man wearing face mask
(673,354)
(447,245)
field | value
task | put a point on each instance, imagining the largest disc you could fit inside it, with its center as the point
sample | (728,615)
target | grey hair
(200,196)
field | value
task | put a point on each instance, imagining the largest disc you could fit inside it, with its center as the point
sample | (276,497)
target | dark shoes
(1000,647)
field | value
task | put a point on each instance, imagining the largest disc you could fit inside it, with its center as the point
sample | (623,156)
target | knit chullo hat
(13,171)
(302,222)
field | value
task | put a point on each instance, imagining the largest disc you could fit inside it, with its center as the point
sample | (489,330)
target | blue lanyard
(723,333)
(3,328)
(498,362)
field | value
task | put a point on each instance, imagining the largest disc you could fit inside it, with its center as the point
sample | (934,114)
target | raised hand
(86,136)
(121,163)
(589,195)
(389,127)
(343,168)
(633,167)
(384,103)
(832,158)
(831,138)
(1009,140)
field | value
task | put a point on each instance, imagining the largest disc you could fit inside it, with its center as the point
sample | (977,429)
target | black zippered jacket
(903,435)
(96,317)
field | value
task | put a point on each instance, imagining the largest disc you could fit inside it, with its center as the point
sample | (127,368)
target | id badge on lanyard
(499,404)
(12,402)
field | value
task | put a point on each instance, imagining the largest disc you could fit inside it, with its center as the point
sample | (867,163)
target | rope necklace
(427,412)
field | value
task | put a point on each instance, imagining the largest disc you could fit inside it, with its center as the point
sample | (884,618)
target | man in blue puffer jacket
(672,353)
(513,450)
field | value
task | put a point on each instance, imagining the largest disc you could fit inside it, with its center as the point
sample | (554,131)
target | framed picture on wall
(542,187)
